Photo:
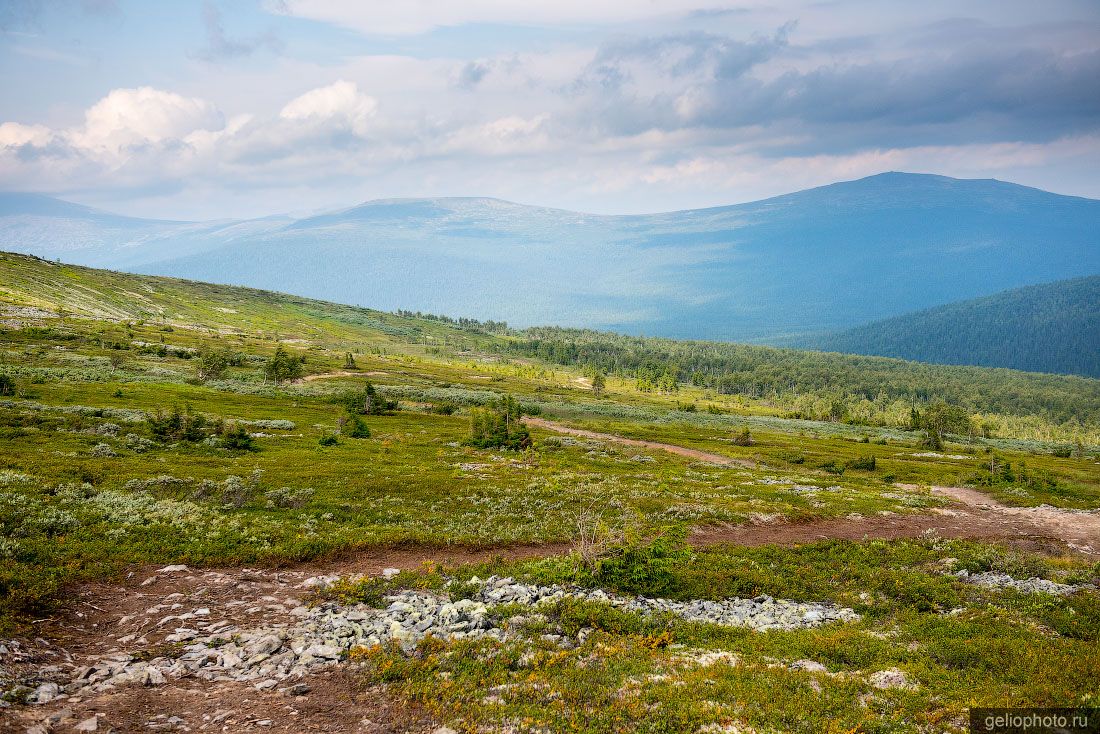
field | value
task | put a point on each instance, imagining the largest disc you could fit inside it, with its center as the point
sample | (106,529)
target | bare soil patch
(670,448)
(973,515)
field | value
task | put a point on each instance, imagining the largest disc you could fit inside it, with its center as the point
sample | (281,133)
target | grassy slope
(68,514)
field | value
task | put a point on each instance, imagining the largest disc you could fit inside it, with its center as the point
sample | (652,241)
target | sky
(210,109)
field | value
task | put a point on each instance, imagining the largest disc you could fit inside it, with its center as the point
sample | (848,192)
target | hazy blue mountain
(41,225)
(809,262)
(1053,327)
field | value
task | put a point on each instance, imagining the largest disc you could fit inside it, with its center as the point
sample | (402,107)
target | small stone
(891,678)
(299,689)
(89,724)
(180,568)
(389,573)
(44,693)
(265,645)
(810,666)
(267,685)
(152,677)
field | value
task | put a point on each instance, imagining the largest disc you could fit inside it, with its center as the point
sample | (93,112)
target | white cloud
(419,16)
(339,103)
(14,134)
(133,117)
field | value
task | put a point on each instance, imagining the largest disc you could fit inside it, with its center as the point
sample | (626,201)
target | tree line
(834,384)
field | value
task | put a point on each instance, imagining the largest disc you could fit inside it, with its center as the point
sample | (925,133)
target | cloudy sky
(213,108)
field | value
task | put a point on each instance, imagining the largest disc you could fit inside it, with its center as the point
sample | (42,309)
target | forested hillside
(1053,327)
(821,386)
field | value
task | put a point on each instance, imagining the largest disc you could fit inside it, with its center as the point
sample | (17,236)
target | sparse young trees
(7,386)
(283,366)
(499,426)
(367,402)
(938,419)
(211,364)
(744,438)
(598,384)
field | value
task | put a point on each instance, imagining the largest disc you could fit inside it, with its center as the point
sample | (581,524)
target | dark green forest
(761,372)
(1054,327)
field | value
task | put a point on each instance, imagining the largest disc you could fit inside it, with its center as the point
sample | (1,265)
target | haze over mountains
(782,269)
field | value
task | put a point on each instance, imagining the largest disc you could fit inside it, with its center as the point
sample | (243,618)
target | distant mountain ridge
(805,263)
(1053,327)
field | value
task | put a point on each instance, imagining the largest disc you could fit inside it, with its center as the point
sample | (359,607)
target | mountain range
(788,269)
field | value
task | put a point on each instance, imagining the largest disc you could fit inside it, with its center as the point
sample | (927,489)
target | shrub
(7,386)
(212,364)
(646,567)
(792,457)
(863,463)
(177,425)
(833,468)
(283,366)
(498,427)
(1000,560)
(103,451)
(237,492)
(138,444)
(236,438)
(329,440)
(367,402)
(744,438)
(287,497)
(356,427)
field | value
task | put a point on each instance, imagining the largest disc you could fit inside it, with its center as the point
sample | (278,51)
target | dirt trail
(670,448)
(340,373)
(138,614)
(973,515)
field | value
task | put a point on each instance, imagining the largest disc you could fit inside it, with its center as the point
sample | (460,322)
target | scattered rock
(280,655)
(1033,585)
(89,724)
(891,678)
(44,693)
(180,568)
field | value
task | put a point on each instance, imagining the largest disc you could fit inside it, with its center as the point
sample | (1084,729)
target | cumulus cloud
(146,136)
(340,103)
(15,135)
(704,81)
(691,108)
(128,118)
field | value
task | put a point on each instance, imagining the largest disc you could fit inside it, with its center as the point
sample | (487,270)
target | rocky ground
(176,649)
(199,660)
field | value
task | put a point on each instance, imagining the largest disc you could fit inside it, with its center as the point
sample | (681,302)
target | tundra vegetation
(203,446)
